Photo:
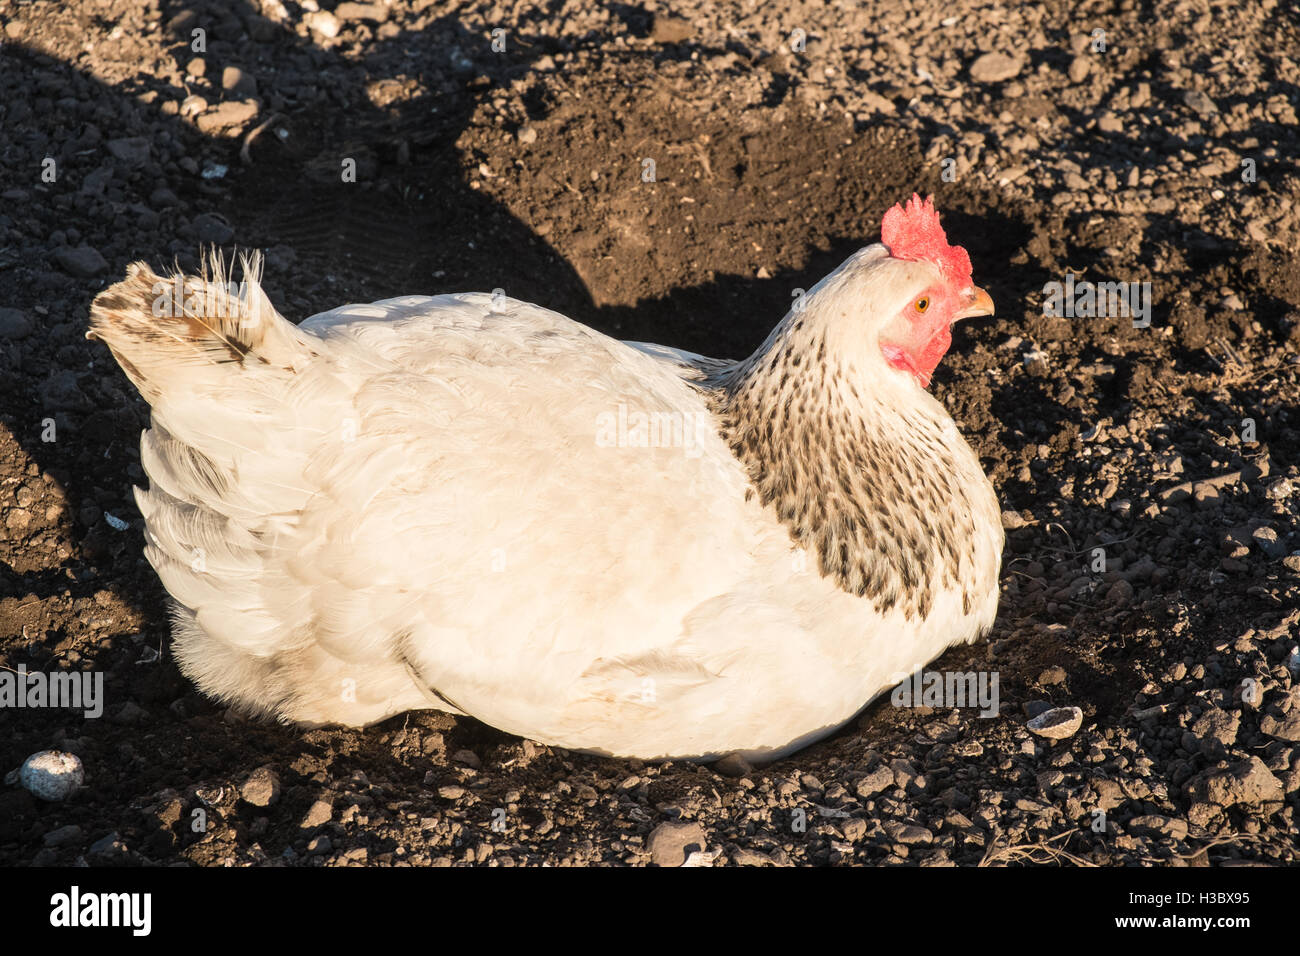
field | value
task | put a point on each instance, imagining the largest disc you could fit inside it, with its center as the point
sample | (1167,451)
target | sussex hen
(472,503)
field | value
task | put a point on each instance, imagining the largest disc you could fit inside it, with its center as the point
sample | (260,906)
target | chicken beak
(979,304)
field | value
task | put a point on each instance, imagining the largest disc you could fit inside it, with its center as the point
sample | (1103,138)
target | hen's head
(896,301)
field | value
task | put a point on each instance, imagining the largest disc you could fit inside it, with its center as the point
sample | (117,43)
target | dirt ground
(1162,150)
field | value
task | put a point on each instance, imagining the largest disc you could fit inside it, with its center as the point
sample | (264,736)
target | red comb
(913,233)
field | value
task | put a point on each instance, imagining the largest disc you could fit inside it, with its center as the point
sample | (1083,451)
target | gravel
(672,843)
(262,788)
(1168,154)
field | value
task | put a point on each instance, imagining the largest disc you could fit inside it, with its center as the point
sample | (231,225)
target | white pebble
(1057,723)
(52,774)
(322,22)
(1280,490)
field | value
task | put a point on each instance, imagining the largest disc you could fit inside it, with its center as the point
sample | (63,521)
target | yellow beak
(980,304)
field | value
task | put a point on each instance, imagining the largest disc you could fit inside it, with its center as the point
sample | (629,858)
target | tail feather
(155,325)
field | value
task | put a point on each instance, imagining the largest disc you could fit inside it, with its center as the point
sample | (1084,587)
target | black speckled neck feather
(873,491)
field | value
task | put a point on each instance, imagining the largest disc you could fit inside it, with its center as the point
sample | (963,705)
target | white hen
(476,504)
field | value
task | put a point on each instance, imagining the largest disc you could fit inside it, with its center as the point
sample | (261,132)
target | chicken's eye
(923,303)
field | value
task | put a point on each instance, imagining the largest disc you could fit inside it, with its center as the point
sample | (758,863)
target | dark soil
(1174,448)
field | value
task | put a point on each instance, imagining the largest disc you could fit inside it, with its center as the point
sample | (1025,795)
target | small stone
(995,68)
(262,788)
(1157,825)
(361,11)
(1110,123)
(1249,782)
(129,713)
(745,857)
(670,29)
(52,775)
(109,847)
(1120,594)
(162,196)
(197,67)
(854,829)
(527,136)
(61,392)
(733,765)
(132,151)
(1109,793)
(1057,723)
(1200,104)
(1282,728)
(1049,779)
(904,773)
(882,778)
(1011,520)
(1051,676)
(1206,495)
(1291,779)
(82,261)
(1079,68)
(1280,490)
(1215,731)
(63,836)
(468,757)
(671,843)
(210,227)
(323,22)
(319,845)
(908,834)
(319,813)
(1267,540)
(192,106)
(235,80)
(15,324)
(183,22)
(226,116)
(451,791)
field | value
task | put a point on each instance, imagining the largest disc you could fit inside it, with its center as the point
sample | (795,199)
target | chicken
(471,503)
